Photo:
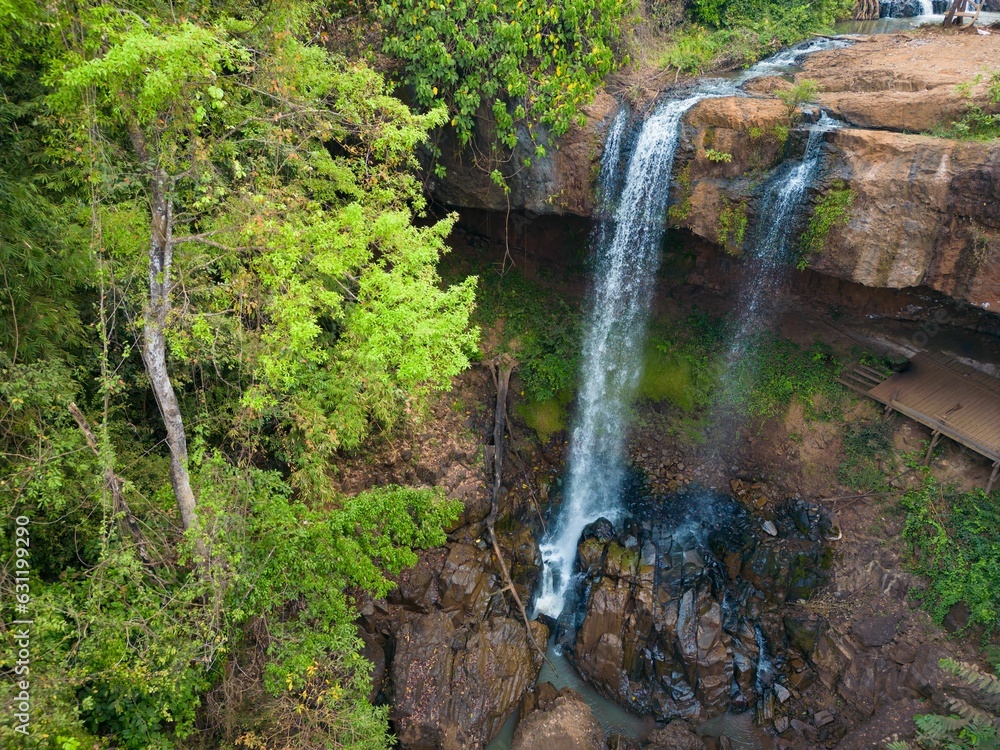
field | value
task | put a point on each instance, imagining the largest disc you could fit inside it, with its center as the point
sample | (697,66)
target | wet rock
(602,530)
(875,631)
(781,693)
(669,627)
(677,735)
(781,725)
(455,698)
(563,722)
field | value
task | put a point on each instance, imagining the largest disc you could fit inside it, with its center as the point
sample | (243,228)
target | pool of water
(740,729)
(891,25)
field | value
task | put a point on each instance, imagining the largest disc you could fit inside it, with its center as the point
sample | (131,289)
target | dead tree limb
(114,485)
(501,370)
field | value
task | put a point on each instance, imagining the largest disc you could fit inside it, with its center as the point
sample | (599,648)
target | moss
(548,416)
(709,140)
(620,561)
(667,377)
(832,209)
(678,212)
(732,225)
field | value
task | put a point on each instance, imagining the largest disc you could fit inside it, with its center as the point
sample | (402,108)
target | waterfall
(627,244)
(767,260)
(628,256)
(926,8)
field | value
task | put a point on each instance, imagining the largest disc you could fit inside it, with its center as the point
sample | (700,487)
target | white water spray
(628,256)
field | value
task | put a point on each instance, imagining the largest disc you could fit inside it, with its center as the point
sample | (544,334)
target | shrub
(954,538)
(803,91)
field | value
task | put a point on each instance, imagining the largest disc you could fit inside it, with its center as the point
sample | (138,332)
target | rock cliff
(924,211)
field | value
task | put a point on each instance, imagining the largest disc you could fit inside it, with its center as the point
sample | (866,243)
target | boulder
(453,687)
(875,631)
(559,722)
(677,735)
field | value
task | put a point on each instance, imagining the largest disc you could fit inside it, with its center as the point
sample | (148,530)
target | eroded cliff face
(557,183)
(925,210)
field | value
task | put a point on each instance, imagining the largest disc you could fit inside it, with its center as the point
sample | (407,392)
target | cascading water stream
(926,8)
(627,241)
(766,266)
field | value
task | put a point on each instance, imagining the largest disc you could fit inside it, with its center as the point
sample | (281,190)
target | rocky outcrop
(905,82)
(461,659)
(453,686)
(558,182)
(675,624)
(922,210)
(924,214)
(556,720)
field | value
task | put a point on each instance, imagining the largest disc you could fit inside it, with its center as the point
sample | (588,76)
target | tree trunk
(154,343)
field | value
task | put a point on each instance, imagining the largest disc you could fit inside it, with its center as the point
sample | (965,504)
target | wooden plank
(880,376)
(948,396)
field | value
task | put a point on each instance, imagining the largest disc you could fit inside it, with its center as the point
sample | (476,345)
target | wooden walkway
(951,398)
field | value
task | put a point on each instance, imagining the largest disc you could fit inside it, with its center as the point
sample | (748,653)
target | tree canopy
(205,205)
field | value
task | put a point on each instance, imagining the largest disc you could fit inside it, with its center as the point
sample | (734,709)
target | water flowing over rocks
(681,605)
(924,214)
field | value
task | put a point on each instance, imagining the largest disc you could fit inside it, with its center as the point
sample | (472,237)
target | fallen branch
(114,484)
(501,370)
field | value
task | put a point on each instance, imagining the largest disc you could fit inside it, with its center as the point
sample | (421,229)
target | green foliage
(683,366)
(529,61)
(693,50)
(308,314)
(732,226)
(544,336)
(41,263)
(718,156)
(831,210)
(291,173)
(736,33)
(668,376)
(801,92)
(967,726)
(681,208)
(781,370)
(977,123)
(954,538)
(866,444)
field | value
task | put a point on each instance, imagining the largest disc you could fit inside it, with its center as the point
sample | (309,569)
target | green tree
(252,211)
(529,61)
(271,182)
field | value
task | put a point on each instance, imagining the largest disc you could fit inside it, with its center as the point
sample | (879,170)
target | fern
(967,726)
(988,683)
